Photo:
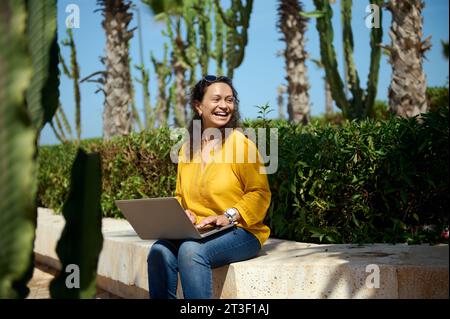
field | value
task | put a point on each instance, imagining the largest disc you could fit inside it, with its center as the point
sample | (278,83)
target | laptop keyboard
(207,229)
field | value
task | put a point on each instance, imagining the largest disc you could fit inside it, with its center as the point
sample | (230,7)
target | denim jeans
(194,260)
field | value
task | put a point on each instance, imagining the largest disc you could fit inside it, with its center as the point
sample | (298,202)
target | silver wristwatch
(231,214)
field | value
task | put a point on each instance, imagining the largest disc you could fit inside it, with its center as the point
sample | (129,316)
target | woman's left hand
(220,220)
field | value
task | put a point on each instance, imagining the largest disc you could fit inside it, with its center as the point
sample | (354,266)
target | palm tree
(117,118)
(281,90)
(293,27)
(407,92)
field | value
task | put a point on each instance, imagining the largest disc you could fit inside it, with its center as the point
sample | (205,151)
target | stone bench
(283,269)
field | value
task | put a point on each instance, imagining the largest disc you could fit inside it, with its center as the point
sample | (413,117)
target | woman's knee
(159,251)
(191,252)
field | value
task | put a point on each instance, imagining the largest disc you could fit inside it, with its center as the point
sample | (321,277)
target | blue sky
(262,70)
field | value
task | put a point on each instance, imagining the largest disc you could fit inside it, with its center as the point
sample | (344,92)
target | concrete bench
(283,269)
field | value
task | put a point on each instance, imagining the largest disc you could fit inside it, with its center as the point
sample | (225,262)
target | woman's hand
(191,216)
(220,220)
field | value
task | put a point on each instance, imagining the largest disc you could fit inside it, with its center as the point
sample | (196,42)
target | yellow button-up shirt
(231,178)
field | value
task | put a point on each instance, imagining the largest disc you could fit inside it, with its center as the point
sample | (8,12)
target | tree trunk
(117,119)
(293,27)
(280,101)
(328,98)
(407,92)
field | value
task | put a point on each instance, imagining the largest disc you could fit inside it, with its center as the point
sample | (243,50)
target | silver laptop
(163,218)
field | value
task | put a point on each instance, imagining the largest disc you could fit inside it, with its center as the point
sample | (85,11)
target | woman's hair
(196,95)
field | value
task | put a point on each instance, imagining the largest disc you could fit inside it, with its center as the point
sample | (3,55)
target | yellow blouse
(226,182)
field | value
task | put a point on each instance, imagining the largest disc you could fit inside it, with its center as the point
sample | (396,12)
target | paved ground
(40,282)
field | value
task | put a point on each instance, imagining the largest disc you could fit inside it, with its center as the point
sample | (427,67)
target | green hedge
(373,181)
(383,181)
(134,167)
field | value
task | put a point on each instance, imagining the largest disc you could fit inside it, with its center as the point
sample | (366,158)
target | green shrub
(134,167)
(372,181)
(437,97)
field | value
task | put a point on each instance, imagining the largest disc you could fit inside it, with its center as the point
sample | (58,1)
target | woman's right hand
(191,216)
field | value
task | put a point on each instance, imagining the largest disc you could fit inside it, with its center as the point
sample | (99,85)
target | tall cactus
(42,95)
(361,103)
(145,82)
(195,48)
(183,58)
(81,240)
(203,10)
(218,54)
(189,52)
(235,18)
(16,151)
(42,98)
(73,72)
(135,117)
(163,73)
(27,65)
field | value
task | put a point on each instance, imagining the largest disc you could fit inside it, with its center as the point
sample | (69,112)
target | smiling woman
(215,103)
(216,194)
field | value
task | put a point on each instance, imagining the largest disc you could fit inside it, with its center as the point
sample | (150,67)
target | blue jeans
(194,259)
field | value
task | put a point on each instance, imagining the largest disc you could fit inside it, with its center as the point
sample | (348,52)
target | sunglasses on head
(213,78)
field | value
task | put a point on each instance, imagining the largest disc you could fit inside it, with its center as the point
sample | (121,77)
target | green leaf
(355,220)
(293,188)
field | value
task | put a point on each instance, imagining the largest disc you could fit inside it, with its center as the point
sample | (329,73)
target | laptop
(163,218)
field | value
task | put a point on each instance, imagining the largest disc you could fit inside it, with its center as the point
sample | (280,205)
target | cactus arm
(65,122)
(226,18)
(218,41)
(17,211)
(81,240)
(76,87)
(238,15)
(328,54)
(203,13)
(42,99)
(163,73)
(59,136)
(376,37)
(134,111)
(64,65)
(145,81)
(189,14)
(348,44)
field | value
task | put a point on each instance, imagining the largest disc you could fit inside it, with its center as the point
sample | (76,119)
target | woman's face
(217,105)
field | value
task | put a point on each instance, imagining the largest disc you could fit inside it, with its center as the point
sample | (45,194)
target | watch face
(231,212)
